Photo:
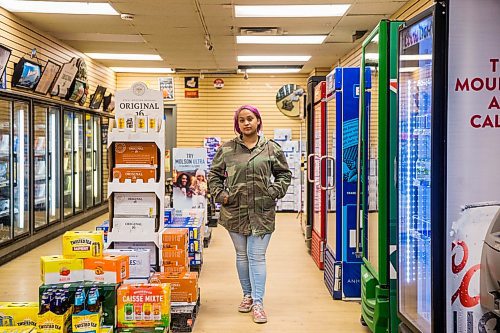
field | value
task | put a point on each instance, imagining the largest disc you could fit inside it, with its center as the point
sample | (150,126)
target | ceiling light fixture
(274,58)
(291,11)
(56,7)
(305,39)
(123,56)
(269,69)
(141,70)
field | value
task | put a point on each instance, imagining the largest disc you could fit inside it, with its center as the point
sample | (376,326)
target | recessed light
(291,11)
(123,56)
(274,58)
(57,7)
(142,70)
(305,39)
(272,70)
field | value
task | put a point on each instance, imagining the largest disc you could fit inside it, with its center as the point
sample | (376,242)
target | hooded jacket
(244,176)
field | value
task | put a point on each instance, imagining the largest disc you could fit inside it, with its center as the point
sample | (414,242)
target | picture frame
(97,98)
(109,103)
(4,58)
(64,79)
(48,76)
(26,74)
(76,91)
(167,87)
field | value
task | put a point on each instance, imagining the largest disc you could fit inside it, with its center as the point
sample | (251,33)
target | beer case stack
(136,189)
(291,148)
(82,265)
(185,299)
(193,221)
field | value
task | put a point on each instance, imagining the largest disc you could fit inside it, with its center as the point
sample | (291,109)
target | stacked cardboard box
(193,221)
(292,200)
(174,251)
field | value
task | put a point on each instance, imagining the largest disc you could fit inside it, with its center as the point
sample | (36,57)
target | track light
(208,44)
(245,76)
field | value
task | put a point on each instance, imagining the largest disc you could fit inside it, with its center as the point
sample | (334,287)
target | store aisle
(296,297)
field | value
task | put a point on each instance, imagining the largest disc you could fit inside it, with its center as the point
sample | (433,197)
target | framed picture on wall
(26,74)
(167,87)
(97,97)
(4,58)
(76,91)
(49,74)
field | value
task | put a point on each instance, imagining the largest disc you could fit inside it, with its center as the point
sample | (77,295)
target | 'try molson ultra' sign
(139,100)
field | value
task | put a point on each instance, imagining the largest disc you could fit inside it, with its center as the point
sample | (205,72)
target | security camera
(245,76)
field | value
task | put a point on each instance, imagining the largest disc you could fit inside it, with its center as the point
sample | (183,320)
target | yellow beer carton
(18,313)
(57,269)
(86,322)
(83,244)
(17,329)
(49,322)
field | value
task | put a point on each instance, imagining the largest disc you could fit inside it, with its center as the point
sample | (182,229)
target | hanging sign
(191,87)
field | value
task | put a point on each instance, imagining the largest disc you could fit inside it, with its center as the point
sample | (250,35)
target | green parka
(244,176)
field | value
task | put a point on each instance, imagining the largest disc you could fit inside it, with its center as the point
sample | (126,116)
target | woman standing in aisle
(240,179)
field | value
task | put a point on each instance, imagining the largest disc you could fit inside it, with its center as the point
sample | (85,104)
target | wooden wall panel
(21,38)
(212,113)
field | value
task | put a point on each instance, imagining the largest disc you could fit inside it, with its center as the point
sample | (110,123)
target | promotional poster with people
(190,177)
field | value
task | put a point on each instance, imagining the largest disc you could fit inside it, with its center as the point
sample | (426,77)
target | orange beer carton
(177,238)
(136,153)
(172,268)
(144,305)
(184,287)
(57,269)
(108,269)
(134,174)
(18,313)
(83,244)
(175,256)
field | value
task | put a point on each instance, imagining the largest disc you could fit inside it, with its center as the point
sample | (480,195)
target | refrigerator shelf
(39,200)
(41,177)
(4,184)
(4,214)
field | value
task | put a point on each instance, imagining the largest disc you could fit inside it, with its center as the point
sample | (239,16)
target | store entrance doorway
(170,135)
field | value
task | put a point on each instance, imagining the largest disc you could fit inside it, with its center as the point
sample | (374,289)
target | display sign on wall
(218,83)
(139,100)
(4,58)
(65,78)
(191,87)
(473,207)
(167,87)
(49,73)
(190,177)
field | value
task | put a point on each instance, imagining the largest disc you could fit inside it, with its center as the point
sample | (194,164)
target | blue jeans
(251,263)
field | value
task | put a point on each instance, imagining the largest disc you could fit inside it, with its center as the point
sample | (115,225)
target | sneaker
(259,315)
(246,304)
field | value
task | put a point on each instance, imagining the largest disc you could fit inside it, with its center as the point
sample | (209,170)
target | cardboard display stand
(144,226)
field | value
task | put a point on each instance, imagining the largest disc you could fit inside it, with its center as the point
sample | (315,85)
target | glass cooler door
(371,224)
(89,160)
(21,168)
(97,156)
(5,170)
(68,163)
(414,172)
(40,159)
(78,160)
(54,166)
